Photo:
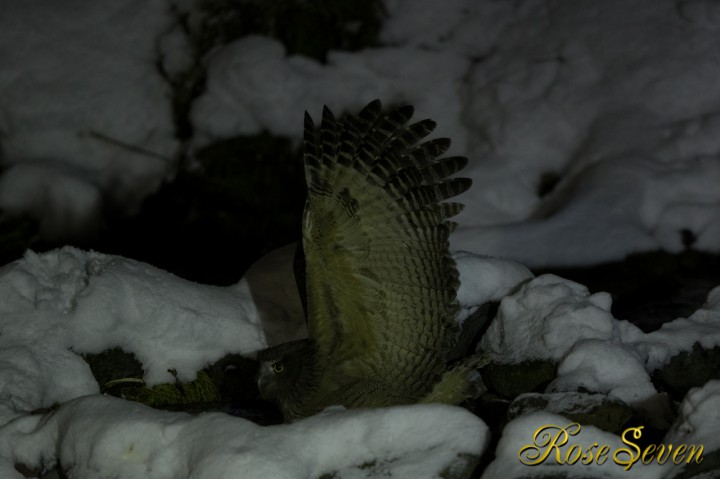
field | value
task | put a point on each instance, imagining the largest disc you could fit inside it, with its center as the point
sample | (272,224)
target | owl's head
(288,376)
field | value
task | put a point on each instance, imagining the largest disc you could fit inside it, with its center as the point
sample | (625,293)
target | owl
(380,285)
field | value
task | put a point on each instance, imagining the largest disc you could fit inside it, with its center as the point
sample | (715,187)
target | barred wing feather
(381,284)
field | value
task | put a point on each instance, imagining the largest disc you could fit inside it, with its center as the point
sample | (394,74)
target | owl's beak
(263,375)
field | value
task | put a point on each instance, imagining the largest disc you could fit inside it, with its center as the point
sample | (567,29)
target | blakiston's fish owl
(381,285)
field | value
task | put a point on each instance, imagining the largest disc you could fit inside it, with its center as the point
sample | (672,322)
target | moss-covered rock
(230,380)
(689,370)
(511,380)
(594,409)
(113,364)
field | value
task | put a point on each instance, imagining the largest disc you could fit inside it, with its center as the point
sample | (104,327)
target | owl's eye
(278,367)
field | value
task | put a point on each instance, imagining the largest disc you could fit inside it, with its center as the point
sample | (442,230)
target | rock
(689,369)
(511,380)
(598,410)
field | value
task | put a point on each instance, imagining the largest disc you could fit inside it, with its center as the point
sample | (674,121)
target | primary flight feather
(380,282)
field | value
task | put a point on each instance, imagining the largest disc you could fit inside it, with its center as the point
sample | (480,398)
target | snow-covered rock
(97,437)
(86,302)
(546,316)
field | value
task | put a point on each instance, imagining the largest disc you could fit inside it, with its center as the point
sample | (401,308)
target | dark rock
(511,380)
(688,370)
(597,410)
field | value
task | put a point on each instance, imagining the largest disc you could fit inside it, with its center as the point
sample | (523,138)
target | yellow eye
(278,367)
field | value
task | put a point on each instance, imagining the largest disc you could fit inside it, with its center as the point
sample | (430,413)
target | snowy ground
(103,437)
(617,103)
(592,130)
(78,86)
(67,302)
(61,304)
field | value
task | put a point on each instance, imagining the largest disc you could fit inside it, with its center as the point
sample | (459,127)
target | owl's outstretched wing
(381,285)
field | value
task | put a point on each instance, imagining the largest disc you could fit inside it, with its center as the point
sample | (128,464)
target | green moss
(201,390)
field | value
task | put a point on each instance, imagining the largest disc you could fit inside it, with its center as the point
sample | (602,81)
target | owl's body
(381,285)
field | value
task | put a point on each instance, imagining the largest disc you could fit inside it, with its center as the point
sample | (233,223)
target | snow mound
(87,302)
(607,367)
(702,327)
(253,86)
(84,103)
(515,455)
(611,209)
(483,278)
(546,316)
(102,437)
(698,419)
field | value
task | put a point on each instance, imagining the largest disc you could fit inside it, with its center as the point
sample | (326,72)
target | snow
(613,208)
(38,375)
(472,28)
(519,433)
(61,200)
(90,302)
(67,301)
(702,327)
(546,316)
(79,92)
(551,318)
(699,418)
(524,90)
(101,437)
(484,279)
(619,102)
(604,367)
(284,87)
